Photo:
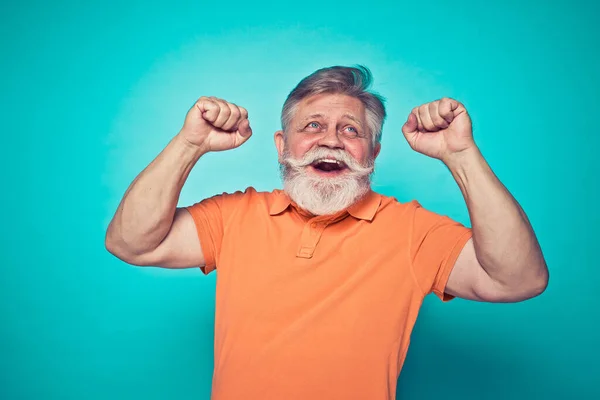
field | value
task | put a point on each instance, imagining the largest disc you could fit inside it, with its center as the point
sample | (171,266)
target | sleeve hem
(205,241)
(449,265)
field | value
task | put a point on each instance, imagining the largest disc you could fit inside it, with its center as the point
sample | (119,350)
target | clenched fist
(214,124)
(439,129)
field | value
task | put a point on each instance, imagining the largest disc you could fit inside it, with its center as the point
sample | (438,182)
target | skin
(327,120)
(148,229)
(503,261)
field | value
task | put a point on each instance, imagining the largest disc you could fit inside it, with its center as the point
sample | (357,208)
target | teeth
(329,161)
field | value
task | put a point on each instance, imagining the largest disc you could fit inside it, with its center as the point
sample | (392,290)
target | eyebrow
(346,115)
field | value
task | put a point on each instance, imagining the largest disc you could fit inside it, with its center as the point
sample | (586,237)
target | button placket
(311,235)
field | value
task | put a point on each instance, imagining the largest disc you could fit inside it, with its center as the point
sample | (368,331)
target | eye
(351,131)
(313,125)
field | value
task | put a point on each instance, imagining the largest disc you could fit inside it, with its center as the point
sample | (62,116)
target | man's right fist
(215,125)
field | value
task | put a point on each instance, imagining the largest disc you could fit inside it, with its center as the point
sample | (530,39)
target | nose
(331,139)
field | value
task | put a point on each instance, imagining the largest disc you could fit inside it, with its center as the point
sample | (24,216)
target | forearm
(146,212)
(505,243)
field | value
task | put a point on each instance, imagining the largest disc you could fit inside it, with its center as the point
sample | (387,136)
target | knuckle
(203,101)
(224,109)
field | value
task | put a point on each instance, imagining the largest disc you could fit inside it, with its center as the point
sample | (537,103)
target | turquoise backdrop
(92,91)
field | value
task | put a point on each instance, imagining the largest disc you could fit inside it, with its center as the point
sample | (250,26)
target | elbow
(120,250)
(112,245)
(540,283)
(109,243)
(524,288)
(536,285)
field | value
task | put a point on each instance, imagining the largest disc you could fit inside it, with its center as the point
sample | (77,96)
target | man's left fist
(439,129)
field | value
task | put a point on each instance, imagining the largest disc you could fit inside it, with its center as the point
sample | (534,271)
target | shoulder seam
(410,243)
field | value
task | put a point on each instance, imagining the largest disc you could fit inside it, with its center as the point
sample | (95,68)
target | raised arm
(148,228)
(503,262)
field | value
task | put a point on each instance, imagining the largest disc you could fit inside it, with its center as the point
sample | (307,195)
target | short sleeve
(436,242)
(209,216)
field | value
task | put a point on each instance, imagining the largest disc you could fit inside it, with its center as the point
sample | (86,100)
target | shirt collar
(280,202)
(365,208)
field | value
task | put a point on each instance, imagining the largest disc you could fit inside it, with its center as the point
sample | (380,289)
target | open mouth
(329,166)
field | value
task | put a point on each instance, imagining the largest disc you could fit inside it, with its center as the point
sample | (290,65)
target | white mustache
(321,152)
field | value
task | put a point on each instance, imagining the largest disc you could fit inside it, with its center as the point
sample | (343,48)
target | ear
(376,150)
(279,143)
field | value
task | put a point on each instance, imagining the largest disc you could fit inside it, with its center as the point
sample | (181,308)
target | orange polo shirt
(319,307)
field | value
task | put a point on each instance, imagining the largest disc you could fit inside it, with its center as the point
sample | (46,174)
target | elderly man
(319,284)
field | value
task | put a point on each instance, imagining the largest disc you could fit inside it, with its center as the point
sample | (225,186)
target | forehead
(331,105)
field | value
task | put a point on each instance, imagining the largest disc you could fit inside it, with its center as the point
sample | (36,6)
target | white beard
(321,195)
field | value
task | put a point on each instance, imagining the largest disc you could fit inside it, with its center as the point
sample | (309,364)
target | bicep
(180,248)
(469,280)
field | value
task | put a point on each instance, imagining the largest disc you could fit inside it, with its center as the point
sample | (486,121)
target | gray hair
(350,81)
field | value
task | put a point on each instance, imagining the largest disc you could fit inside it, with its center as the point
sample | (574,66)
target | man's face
(331,121)
(327,154)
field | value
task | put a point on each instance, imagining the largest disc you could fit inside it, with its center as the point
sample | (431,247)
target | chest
(286,266)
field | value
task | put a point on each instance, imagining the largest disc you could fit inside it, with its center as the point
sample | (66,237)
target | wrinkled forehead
(331,106)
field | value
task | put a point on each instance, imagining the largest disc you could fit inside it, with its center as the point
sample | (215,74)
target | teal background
(91,93)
